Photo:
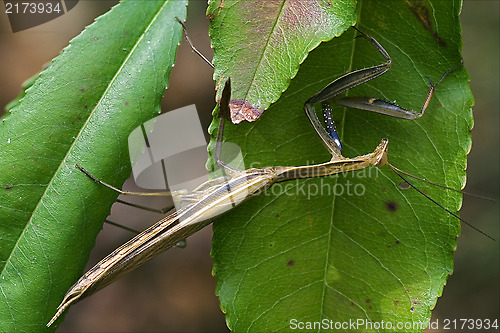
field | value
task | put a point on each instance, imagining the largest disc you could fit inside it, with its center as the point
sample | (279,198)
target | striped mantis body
(215,197)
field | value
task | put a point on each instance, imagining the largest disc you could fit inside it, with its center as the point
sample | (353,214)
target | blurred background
(176,291)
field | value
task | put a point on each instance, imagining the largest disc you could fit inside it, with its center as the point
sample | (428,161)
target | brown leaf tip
(242,110)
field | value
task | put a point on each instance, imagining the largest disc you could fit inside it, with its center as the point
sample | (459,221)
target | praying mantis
(216,197)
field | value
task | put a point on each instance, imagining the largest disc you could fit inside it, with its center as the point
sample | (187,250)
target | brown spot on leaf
(7,187)
(404,185)
(421,12)
(290,262)
(391,206)
(309,218)
(242,110)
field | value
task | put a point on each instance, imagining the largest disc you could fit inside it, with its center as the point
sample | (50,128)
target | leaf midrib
(341,136)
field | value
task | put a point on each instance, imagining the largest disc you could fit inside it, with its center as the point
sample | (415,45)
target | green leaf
(355,246)
(81,109)
(260,44)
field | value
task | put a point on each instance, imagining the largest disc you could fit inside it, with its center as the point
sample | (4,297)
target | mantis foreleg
(350,80)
